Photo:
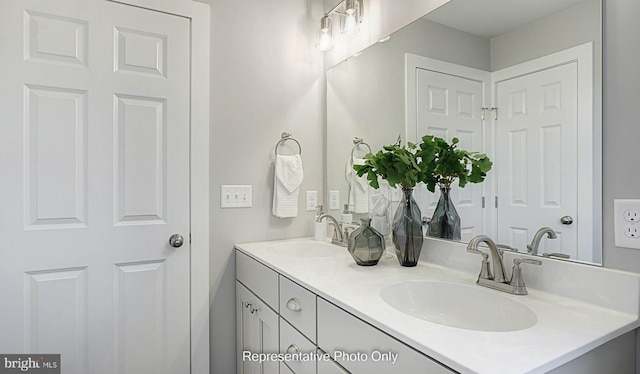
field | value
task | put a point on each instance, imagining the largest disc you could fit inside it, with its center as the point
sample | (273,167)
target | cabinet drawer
(284,369)
(298,306)
(362,348)
(261,280)
(329,367)
(292,341)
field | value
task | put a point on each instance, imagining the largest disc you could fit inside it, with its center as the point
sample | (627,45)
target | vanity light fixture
(352,17)
(350,12)
(325,41)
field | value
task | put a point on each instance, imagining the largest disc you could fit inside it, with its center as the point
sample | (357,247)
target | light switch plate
(312,200)
(626,223)
(334,200)
(235,196)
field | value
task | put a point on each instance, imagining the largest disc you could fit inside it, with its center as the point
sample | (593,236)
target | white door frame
(199,14)
(589,170)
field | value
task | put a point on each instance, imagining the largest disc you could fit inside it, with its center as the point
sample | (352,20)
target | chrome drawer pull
(293,349)
(294,305)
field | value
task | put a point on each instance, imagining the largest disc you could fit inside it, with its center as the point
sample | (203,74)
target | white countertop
(566,327)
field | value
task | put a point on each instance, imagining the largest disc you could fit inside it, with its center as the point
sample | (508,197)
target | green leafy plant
(397,164)
(433,161)
(445,163)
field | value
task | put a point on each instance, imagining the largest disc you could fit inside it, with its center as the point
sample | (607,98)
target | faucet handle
(348,229)
(517,282)
(485,269)
(518,261)
(503,247)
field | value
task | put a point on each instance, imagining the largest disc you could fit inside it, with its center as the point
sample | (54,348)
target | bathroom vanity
(308,308)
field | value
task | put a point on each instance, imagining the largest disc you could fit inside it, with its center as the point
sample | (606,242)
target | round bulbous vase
(407,230)
(445,222)
(366,244)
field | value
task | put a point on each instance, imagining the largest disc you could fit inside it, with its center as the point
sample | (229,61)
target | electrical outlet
(631,232)
(626,221)
(312,200)
(631,215)
(235,197)
(334,200)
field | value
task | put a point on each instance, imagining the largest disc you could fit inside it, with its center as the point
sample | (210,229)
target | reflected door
(537,157)
(95,159)
(449,106)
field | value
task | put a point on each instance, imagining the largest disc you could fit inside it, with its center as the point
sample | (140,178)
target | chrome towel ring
(284,137)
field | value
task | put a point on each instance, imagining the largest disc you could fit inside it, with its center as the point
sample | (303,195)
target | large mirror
(519,81)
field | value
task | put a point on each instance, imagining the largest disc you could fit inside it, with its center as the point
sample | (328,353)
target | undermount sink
(458,305)
(308,249)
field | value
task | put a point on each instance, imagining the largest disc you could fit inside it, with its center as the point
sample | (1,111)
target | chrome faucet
(497,279)
(535,243)
(496,257)
(338,237)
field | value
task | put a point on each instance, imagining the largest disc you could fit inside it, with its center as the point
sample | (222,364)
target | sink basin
(457,305)
(310,250)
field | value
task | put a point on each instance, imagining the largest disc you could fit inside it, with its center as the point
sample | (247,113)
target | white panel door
(536,157)
(449,106)
(95,163)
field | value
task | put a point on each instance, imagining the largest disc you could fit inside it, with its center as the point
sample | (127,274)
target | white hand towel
(287,180)
(359,191)
(380,203)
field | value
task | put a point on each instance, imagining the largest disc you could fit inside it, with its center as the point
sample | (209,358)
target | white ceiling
(489,18)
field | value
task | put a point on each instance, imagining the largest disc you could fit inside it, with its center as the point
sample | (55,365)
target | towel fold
(287,180)
(358,187)
(380,203)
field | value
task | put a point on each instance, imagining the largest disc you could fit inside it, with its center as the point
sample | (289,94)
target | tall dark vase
(445,222)
(407,230)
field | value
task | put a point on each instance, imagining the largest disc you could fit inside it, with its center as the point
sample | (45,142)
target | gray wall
(548,35)
(621,133)
(266,78)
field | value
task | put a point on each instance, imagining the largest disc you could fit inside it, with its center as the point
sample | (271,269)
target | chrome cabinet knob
(293,349)
(566,220)
(294,305)
(176,240)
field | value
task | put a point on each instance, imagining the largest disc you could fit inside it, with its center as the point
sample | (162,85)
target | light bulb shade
(325,39)
(351,24)
(352,16)
(350,6)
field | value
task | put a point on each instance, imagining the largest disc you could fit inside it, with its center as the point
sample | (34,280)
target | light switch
(235,196)
(312,200)
(334,200)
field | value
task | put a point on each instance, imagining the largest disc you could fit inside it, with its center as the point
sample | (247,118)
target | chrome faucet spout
(496,257)
(537,238)
(498,280)
(338,237)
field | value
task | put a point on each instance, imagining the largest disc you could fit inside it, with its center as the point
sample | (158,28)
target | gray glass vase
(445,222)
(407,230)
(366,244)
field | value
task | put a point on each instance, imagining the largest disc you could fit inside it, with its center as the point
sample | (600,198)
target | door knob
(566,220)
(176,240)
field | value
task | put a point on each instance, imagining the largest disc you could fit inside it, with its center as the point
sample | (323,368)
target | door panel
(535,130)
(96,140)
(449,106)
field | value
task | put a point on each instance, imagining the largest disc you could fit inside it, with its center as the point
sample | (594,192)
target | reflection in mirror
(521,85)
